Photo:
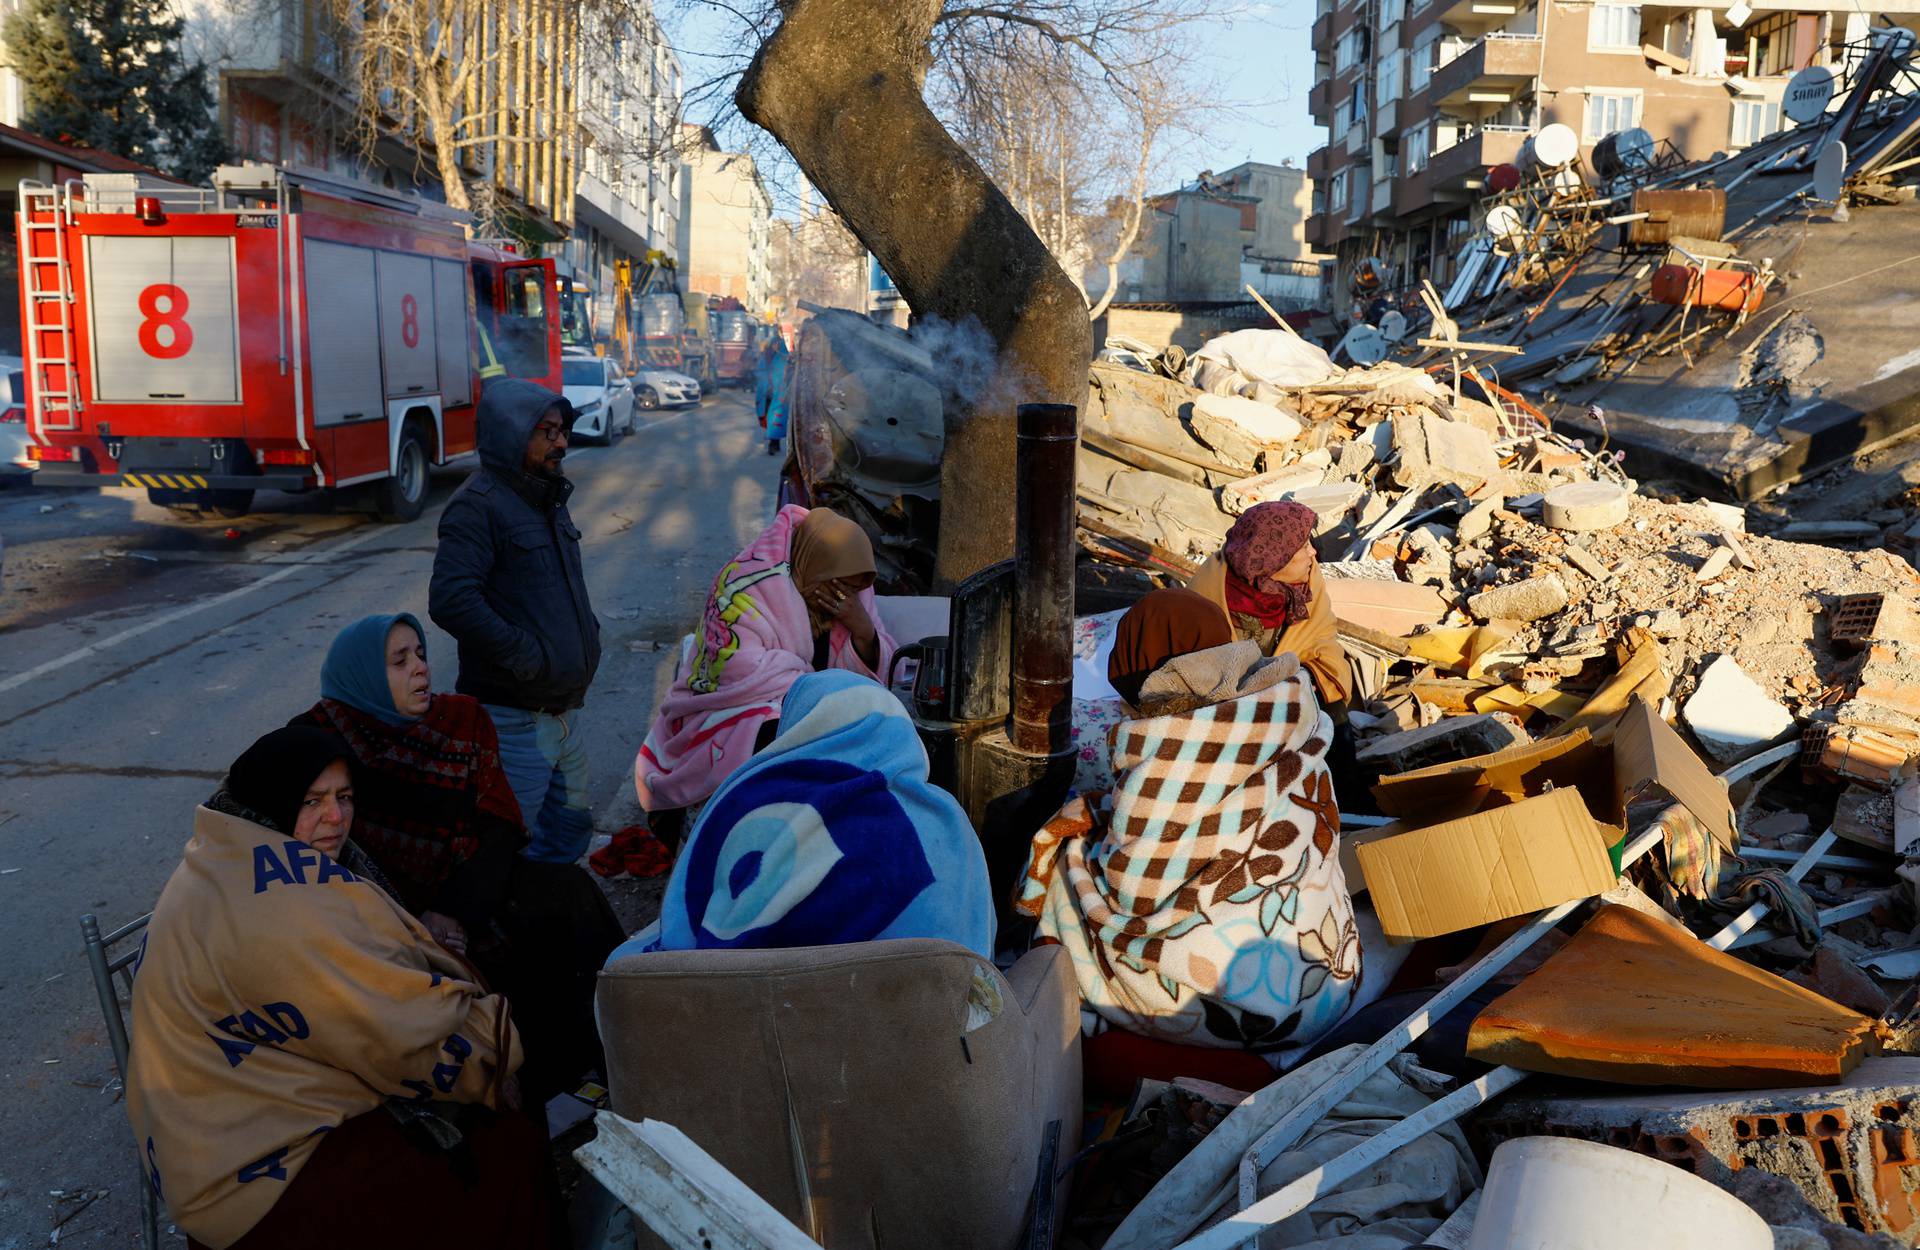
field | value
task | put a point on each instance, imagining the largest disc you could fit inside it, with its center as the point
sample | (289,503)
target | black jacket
(506,579)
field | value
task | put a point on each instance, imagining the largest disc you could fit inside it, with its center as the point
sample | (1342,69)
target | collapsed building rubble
(1737,322)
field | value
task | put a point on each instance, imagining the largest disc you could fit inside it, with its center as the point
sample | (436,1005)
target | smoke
(965,362)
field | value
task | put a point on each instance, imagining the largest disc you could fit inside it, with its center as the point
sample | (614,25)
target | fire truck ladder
(49,287)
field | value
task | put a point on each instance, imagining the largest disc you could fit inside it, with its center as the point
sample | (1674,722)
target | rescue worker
(508,585)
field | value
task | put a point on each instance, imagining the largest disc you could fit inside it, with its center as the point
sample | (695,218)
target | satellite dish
(1365,345)
(1830,172)
(1808,94)
(1393,326)
(1506,226)
(1503,178)
(1556,145)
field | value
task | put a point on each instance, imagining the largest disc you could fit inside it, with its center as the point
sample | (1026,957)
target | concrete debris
(1583,506)
(1435,451)
(1829,531)
(1716,563)
(1520,601)
(1731,715)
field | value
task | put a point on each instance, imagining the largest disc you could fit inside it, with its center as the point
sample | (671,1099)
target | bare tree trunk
(839,84)
(1135,209)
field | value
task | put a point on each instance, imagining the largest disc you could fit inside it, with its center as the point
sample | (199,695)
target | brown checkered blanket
(1210,907)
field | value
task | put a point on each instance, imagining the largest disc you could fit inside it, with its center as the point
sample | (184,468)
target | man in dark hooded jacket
(507,585)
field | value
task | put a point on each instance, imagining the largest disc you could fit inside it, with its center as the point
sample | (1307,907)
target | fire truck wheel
(403,496)
(230,503)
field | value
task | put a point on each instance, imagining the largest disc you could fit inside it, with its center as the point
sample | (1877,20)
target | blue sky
(1259,50)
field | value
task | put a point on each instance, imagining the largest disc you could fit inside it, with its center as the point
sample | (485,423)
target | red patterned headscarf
(1265,538)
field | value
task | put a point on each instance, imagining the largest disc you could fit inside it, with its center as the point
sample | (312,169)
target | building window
(1352,49)
(1386,78)
(1609,111)
(1337,197)
(1391,11)
(1415,147)
(1613,28)
(1356,105)
(1421,64)
(1754,120)
(1770,44)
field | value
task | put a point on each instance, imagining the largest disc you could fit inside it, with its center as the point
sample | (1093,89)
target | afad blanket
(831,834)
(755,639)
(279,995)
(1210,908)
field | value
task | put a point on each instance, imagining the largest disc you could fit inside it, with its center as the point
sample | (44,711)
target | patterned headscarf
(1261,542)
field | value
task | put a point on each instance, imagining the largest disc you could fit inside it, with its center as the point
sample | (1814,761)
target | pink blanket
(755,639)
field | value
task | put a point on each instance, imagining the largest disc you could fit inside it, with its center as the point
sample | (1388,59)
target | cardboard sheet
(1507,861)
(1643,754)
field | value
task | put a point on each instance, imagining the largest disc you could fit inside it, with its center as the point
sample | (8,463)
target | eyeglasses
(552,433)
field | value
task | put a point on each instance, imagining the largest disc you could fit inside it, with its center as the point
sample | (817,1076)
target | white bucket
(1554,1193)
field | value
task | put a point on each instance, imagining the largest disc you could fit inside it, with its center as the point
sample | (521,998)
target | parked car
(664,388)
(601,394)
(14,465)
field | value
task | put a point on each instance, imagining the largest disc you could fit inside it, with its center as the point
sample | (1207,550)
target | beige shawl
(277,996)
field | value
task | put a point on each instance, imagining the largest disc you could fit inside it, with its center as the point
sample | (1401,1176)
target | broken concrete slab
(1456,738)
(1528,600)
(1635,1002)
(1478,520)
(1588,563)
(1731,715)
(1838,979)
(1240,430)
(1583,507)
(1434,451)
(1717,562)
(1392,607)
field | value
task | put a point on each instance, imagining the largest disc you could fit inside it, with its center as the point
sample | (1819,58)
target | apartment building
(286,96)
(1421,97)
(725,223)
(627,197)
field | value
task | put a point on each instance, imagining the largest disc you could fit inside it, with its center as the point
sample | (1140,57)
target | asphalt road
(140,653)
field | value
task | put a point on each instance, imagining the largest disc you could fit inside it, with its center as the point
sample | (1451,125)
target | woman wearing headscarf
(1267,583)
(435,809)
(436,812)
(798,600)
(831,834)
(308,1066)
(1206,905)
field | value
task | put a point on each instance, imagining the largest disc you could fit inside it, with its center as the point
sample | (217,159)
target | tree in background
(110,75)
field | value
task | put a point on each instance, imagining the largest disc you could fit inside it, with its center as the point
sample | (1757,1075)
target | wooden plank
(681,1192)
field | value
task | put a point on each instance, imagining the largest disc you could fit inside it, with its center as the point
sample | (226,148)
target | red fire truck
(274,332)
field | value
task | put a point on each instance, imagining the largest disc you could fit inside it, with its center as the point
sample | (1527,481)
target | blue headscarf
(355,672)
(831,834)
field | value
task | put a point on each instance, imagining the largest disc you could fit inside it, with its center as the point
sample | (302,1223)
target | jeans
(545,758)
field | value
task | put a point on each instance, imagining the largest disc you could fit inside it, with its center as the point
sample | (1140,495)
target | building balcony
(1324,231)
(1357,139)
(1320,164)
(1473,17)
(1467,162)
(1323,33)
(1412,193)
(1319,101)
(1496,70)
(1382,200)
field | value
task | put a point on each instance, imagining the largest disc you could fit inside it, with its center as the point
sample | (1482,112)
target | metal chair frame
(106,966)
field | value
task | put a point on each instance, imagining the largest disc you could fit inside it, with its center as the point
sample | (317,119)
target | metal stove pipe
(1046,438)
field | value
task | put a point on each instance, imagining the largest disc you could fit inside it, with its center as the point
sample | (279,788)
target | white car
(14,465)
(601,396)
(664,388)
